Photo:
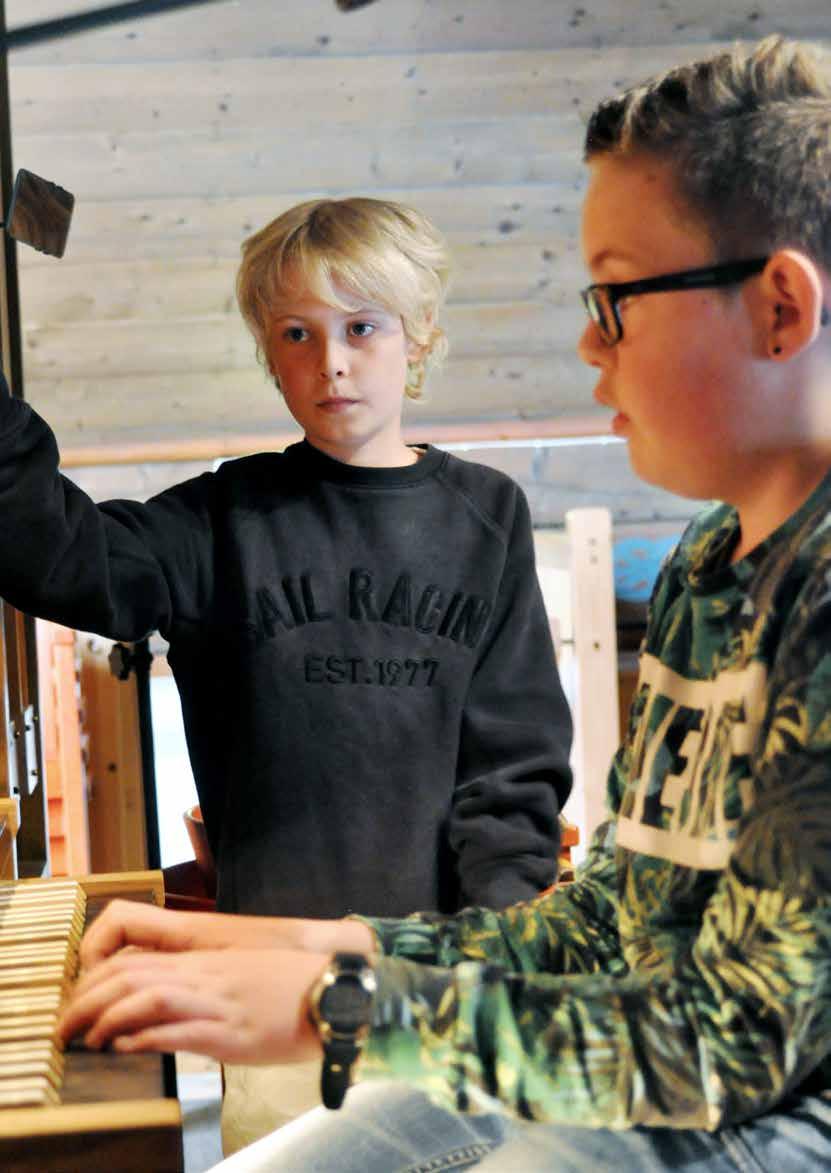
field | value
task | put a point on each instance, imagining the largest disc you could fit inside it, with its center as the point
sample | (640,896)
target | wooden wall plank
(505,271)
(181,134)
(274,94)
(223,343)
(277,28)
(143,408)
(556,478)
(205,228)
(99,165)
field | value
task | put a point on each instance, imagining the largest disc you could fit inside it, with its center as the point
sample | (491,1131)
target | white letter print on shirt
(680,815)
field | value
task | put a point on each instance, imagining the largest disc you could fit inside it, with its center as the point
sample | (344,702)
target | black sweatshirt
(370,696)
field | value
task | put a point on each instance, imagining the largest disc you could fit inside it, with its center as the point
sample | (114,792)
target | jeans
(387,1127)
(260,1099)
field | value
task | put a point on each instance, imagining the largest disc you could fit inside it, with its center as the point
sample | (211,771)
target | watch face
(345,1005)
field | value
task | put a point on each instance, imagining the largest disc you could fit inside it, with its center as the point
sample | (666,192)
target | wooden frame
(574,567)
(99,1127)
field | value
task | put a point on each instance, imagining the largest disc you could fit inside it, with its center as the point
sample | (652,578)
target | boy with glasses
(672,1007)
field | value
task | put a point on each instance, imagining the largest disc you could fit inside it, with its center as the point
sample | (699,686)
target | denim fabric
(389,1128)
(258,1100)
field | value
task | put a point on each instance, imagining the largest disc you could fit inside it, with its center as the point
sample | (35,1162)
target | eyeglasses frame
(709,277)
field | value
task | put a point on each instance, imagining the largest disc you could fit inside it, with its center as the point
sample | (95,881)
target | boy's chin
(680,482)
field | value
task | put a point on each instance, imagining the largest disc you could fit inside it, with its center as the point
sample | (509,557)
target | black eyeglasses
(601,301)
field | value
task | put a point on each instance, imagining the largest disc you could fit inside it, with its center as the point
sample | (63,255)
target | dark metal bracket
(63,26)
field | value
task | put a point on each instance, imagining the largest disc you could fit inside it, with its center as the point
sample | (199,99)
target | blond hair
(369,249)
(748,136)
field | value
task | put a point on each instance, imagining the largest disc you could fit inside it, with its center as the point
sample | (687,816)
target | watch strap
(341,1046)
(339,1056)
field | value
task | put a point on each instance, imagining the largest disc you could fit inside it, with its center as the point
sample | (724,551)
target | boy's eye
(361,329)
(295,334)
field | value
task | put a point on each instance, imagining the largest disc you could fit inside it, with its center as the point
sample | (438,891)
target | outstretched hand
(235,1005)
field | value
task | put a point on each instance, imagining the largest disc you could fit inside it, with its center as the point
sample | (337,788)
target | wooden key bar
(75,1109)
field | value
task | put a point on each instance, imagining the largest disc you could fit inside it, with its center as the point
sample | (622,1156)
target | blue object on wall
(636,565)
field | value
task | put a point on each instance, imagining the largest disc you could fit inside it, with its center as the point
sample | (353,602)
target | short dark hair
(748,136)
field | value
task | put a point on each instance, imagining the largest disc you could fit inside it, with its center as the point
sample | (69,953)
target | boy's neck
(776,495)
(368,456)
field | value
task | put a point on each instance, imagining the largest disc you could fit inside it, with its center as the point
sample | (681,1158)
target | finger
(128,922)
(158,1006)
(91,995)
(111,982)
(199,1036)
(122,923)
(126,967)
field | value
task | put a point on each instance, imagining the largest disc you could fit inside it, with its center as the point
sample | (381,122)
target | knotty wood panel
(281,94)
(181,134)
(111,291)
(555,480)
(215,403)
(208,228)
(181,163)
(223,342)
(275,28)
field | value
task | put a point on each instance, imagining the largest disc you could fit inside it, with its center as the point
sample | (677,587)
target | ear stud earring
(777,309)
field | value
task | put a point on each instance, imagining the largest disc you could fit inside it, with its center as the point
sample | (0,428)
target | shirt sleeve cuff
(417,937)
(424,1028)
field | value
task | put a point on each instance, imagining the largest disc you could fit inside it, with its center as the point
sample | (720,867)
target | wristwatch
(340,1006)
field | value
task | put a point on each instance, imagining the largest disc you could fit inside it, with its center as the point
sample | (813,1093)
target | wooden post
(596,711)
(20,754)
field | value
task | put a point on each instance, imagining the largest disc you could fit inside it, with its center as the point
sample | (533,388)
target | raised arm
(121,569)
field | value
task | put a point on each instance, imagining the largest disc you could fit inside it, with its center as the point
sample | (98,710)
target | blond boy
(367,678)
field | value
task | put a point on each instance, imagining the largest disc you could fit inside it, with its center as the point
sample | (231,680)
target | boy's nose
(333,360)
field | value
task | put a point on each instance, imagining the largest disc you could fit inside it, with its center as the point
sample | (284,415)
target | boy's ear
(416,351)
(266,360)
(273,373)
(793,288)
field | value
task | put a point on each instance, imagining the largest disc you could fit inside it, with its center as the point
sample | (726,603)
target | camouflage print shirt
(684,979)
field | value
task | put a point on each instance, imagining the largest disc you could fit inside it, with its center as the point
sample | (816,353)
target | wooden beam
(240,445)
(222,342)
(208,228)
(185,163)
(545,270)
(314,28)
(375,90)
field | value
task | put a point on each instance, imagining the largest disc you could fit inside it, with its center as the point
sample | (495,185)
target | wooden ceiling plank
(399,91)
(209,228)
(284,28)
(125,290)
(220,402)
(187,163)
(219,343)
(209,449)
